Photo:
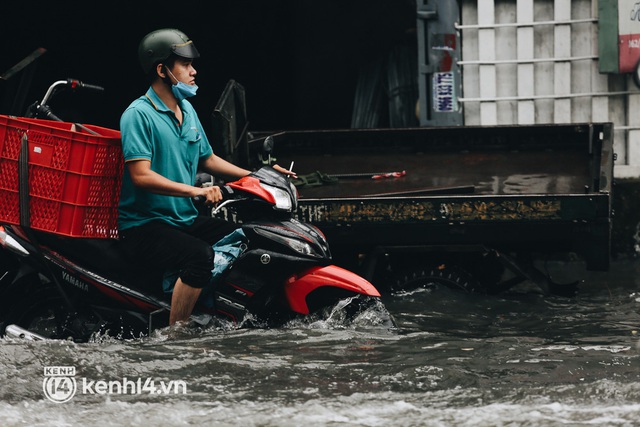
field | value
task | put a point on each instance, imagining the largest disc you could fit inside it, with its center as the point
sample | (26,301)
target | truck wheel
(431,277)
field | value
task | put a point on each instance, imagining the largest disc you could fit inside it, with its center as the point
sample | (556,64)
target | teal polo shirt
(150,131)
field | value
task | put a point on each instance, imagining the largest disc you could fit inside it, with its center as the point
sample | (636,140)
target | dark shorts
(162,246)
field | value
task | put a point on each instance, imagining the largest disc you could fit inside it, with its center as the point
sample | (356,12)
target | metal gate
(535,62)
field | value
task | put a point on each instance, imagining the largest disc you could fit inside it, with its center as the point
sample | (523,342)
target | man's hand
(285,171)
(212,194)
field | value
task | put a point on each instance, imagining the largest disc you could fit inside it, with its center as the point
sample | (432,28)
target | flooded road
(454,360)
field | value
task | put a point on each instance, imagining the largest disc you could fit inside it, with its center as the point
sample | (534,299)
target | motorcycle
(61,287)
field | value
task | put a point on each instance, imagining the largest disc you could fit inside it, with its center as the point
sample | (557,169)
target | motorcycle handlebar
(73,84)
(90,86)
(226,195)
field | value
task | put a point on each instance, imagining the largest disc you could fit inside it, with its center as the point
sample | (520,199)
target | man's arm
(220,167)
(143,177)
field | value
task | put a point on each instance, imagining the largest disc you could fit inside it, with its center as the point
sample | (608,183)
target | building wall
(536,62)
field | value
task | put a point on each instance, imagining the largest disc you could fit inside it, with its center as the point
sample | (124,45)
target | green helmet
(158,45)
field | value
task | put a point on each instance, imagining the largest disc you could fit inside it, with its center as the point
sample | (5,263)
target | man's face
(183,71)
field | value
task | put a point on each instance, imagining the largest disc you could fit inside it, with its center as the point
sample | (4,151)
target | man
(164,145)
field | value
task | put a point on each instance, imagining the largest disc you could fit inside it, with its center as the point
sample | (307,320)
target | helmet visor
(186,50)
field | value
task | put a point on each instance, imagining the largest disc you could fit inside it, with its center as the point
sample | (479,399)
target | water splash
(350,313)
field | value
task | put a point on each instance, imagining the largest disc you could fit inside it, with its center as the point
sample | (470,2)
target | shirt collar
(157,103)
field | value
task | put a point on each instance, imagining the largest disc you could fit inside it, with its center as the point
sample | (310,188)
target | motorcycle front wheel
(356,312)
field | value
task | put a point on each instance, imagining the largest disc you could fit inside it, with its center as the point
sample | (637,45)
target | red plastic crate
(74,176)
(62,218)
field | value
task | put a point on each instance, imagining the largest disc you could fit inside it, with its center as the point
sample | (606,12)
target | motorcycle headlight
(282,198)
(294,195)
(299,246)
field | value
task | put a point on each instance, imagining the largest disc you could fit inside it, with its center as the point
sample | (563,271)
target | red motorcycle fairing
(298,287)
(252,185)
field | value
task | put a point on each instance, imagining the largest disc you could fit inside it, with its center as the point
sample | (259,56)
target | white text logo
(60,385)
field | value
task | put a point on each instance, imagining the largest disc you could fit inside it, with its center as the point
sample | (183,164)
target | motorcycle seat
(105,258)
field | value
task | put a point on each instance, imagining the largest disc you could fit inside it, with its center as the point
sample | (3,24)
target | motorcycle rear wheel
(45,313)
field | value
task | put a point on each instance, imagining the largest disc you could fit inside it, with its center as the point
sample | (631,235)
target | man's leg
(167,247)
(182,301)
(211,229)
(184,296)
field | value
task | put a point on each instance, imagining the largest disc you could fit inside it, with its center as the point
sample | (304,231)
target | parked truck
(474,207)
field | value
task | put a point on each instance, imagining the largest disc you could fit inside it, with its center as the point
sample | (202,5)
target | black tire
(357,311)
(45,313)
(434,276)
(362,305)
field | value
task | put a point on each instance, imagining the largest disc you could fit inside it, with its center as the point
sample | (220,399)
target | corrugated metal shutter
(536,61)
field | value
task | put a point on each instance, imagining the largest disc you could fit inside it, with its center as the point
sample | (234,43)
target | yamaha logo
(265,258)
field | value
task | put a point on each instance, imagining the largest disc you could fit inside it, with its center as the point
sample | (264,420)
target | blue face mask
(182,90)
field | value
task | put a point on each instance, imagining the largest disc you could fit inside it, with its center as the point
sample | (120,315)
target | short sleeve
(136,135)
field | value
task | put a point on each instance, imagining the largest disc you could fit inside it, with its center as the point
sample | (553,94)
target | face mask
(182,90)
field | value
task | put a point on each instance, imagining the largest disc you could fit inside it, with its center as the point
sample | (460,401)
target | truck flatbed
(456,197)
(542,189)
(481,173)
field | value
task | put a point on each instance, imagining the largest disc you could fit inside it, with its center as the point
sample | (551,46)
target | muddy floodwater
(454,359)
